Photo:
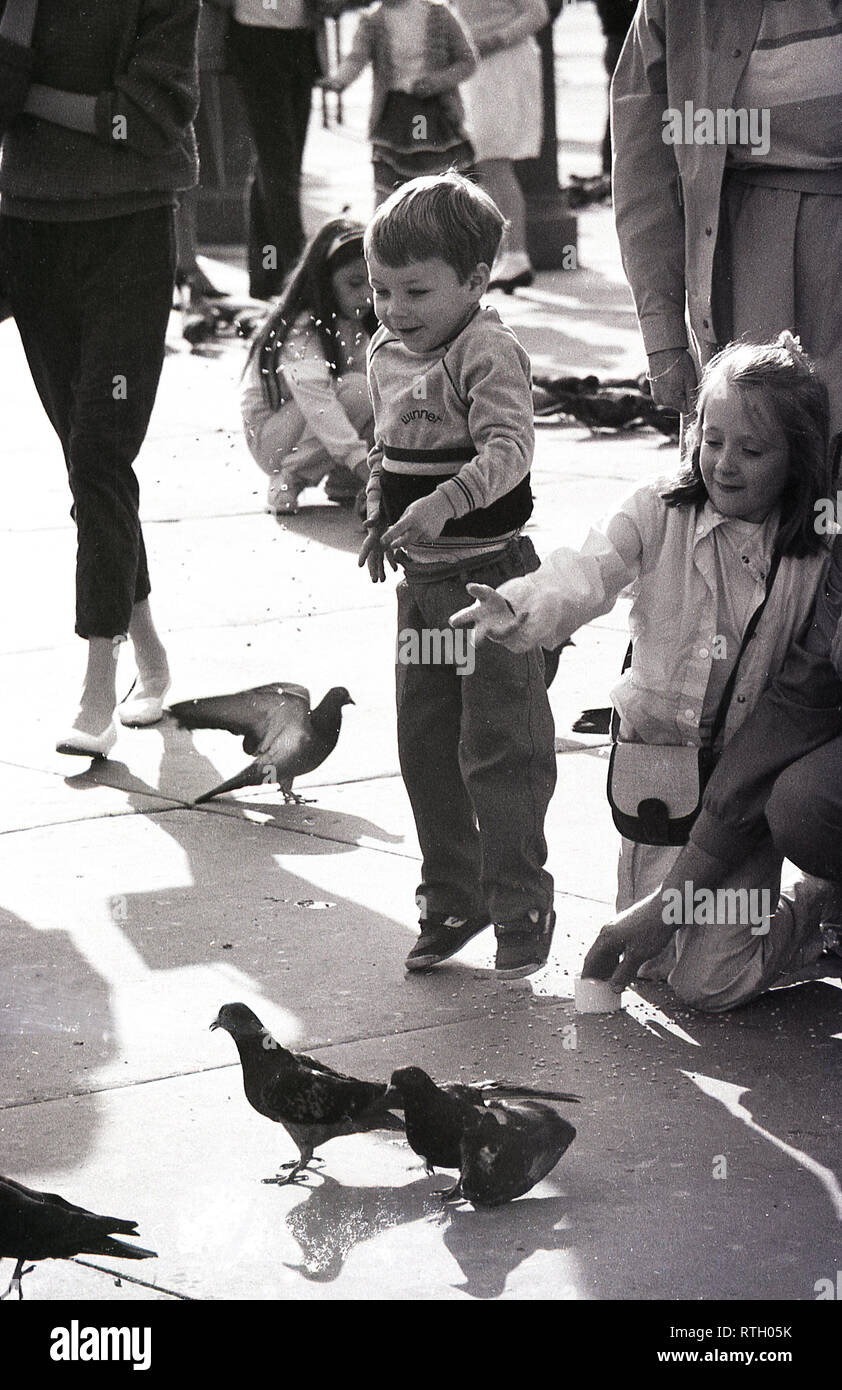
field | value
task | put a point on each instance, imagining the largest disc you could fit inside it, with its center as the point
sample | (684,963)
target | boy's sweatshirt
(456,420)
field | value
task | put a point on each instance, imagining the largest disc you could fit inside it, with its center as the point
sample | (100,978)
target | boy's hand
(424,87)
(421,522)
(491,617)
(329,84)
(371,554)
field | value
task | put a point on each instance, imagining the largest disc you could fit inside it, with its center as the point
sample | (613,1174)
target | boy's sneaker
(441,937)
(523,946)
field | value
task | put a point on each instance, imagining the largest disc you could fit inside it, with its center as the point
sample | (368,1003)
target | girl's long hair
(799,401)
(309,289)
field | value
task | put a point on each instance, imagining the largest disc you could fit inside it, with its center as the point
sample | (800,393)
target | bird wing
(322,1067)
(48,1199)
(254,714)
(487,1090)
(534,1137)
(43,1225)
(316,1098)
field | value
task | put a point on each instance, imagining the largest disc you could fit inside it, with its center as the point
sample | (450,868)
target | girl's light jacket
(666,197)
(305,378)
(667,554)
(447,46)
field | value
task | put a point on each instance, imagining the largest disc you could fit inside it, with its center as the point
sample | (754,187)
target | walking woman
(93,155)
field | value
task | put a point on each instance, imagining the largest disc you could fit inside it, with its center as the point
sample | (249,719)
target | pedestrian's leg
(500,181)
(275,70)
(145,701)
(126,306)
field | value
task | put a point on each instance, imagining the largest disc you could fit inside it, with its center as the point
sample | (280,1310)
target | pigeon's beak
(350,701)
(214,1025)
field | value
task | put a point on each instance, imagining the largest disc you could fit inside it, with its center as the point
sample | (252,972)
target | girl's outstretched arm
(491,617)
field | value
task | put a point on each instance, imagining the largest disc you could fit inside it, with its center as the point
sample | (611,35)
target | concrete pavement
(707,1160)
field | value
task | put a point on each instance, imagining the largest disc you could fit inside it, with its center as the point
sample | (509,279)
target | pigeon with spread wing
(507,1148)
(279,730)
(311,1101)
(436,1115)
(43,1226)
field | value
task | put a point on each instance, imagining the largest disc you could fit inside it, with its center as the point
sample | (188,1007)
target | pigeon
(507,1148)
(436,1115)
(311,1101)
(43,1226)
(279,730)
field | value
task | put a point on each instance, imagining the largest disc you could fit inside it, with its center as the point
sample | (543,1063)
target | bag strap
(721,713)
(725,699)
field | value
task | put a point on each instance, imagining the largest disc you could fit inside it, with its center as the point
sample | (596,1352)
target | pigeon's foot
(297,1172)
(293,799)
(450,1194)
(298,1177)
(15,1284)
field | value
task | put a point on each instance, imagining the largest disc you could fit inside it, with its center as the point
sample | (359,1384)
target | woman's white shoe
(139,709)
(84,745)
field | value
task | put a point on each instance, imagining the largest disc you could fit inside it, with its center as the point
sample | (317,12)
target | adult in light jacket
(727,174)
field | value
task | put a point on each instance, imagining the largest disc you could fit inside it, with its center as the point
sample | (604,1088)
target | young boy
(448,495)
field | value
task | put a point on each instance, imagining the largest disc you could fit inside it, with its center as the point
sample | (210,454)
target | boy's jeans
(477,753)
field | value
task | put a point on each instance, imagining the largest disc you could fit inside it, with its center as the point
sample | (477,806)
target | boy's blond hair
(442,215)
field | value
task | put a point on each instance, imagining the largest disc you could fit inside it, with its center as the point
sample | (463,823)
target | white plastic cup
(595,996)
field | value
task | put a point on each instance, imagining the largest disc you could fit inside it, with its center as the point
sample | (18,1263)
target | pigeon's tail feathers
(116,1225)
(506,1088)
(256,774)
(122,1250)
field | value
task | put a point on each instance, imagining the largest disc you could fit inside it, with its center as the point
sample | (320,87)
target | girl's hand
(625,944)
(372,553)
(672,377)
(329,84)
(424,87)
(491,617)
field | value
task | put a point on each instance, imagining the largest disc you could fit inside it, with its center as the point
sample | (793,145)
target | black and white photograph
(421,668)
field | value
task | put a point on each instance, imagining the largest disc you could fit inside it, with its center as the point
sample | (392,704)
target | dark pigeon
(508,1148)
(436,1116)
(311,1101)
(43,1226)
(594,721)
(278,729)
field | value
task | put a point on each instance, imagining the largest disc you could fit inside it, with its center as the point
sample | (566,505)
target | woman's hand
(491,617)
(626,943)
(672,377)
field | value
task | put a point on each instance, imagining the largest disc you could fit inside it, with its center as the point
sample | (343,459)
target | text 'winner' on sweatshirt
(457,420)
